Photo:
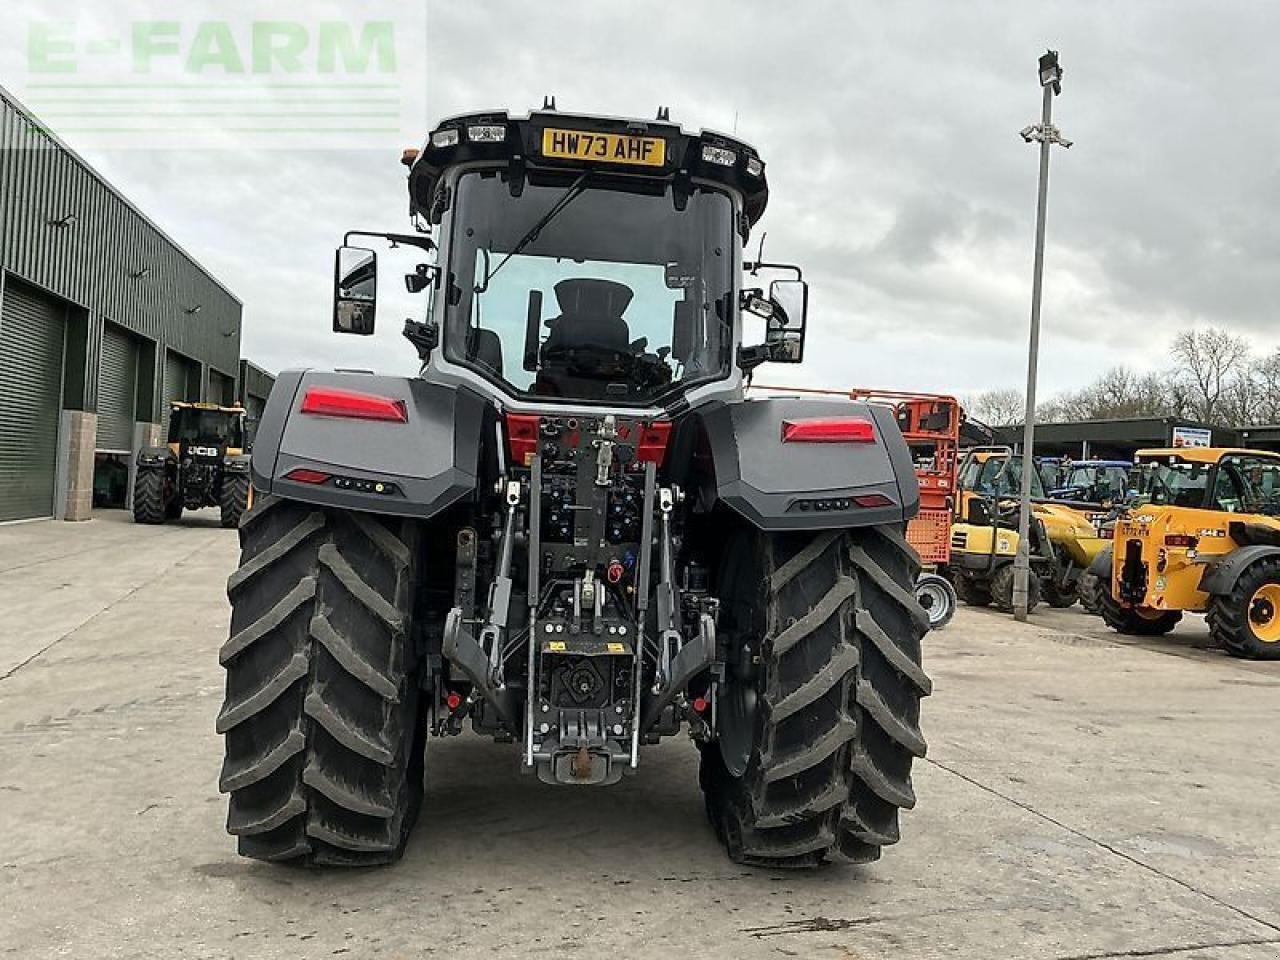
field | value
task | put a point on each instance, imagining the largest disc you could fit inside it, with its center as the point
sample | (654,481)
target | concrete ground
(1084,797)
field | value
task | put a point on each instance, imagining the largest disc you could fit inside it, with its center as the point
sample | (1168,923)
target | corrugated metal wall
(92,260)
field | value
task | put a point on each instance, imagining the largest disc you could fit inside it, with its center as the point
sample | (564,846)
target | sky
(897,176)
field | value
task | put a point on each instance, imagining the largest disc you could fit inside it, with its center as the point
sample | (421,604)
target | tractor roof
(548,141)
(1202,454)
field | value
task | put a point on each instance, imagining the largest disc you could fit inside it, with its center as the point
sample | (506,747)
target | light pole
(1046,134)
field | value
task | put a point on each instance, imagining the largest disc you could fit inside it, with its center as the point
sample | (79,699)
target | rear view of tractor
(1205,539)
(204,464)
(572,532)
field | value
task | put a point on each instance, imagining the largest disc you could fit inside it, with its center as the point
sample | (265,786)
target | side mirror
(355,290)
(785,326)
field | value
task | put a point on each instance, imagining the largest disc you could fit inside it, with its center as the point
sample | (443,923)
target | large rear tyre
(1246,622)
(972,592)
(149,496)
(234,499)
(818,718)
(1002,589)
(324,747)
(1135,621)
(1090,589)
(1060,597)
(937,597)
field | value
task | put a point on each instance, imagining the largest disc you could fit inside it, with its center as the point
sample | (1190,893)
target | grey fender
(742,462)
(423,465)
(1101,566)
(1220,578)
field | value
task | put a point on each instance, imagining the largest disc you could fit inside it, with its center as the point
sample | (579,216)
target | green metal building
(104,319)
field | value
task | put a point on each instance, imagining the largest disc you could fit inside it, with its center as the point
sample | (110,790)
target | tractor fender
(415,468)
(237,463)
(1220,578)
(741,460)
(1101,566)
(154,457)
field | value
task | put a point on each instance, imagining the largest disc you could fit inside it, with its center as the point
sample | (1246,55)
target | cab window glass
(1247,484)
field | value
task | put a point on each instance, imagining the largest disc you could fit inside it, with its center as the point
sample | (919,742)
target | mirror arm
(758,265)
(426,243)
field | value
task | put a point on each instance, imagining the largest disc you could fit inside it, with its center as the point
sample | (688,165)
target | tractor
(203,465)
(572,532)
(1205,539)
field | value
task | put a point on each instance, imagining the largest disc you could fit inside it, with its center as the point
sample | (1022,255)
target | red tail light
(522,437)
(828,430)
(335,402)
(652,445)
(1180,540)
(303,475)
(872,500)
(1107,533)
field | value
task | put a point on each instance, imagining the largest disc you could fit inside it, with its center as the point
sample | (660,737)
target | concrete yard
(1084,797)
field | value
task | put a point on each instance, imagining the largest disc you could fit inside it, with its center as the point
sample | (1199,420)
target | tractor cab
(1100,482)
(583,259)
(205,431)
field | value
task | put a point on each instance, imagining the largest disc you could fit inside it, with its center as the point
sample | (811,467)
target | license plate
(604,147)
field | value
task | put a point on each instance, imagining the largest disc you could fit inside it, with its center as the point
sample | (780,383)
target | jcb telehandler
(985,537)
(1205,539)
(203,465)
(572,531)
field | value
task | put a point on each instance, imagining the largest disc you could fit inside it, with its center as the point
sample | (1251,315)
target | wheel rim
(935,600)
(1264,613)
(737,723)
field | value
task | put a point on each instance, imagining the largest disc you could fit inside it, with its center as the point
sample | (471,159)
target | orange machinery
(930,423)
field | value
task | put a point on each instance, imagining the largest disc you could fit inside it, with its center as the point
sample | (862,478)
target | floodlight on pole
(1046,134)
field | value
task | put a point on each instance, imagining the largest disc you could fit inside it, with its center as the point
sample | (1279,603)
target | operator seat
(485,348)
(590,316)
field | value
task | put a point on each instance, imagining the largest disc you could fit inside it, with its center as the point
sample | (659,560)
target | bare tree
(996,408)
(1212,363)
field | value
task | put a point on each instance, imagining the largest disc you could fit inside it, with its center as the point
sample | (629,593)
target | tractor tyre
(1246,622)
(818,718)
(937,597)
(149,497)
(972,592)
(1002,589)
(234,498)
(1135,622)
(1090,589)
(1059,597)
(324,745)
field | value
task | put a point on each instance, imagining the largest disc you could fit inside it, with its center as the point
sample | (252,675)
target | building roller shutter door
(117,390)
(32,330)
(177,385)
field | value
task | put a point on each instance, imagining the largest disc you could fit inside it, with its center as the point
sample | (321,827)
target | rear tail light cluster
(1180,540)
(828,430)
(349,404)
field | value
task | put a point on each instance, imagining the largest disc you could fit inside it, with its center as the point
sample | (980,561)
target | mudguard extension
(424,465)
(1101,566)
(1220,578)
(805,486)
